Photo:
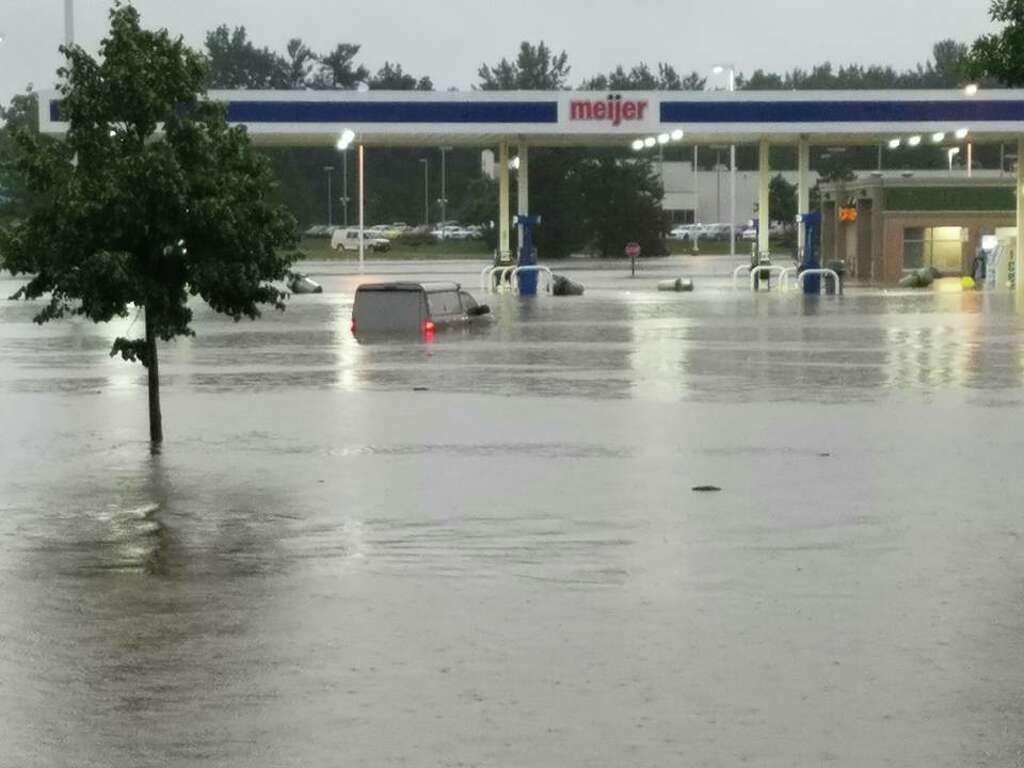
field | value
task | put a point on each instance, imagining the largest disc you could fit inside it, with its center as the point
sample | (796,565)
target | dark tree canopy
(338,70)
(536,68)
(946,69)
(1000,55)
(21,116)
(643,78)
(391,77)
(234,62)
(123,216)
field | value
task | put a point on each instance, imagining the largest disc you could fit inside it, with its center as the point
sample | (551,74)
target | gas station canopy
(596,118)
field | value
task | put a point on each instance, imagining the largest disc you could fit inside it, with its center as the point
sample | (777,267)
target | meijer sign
(614,109)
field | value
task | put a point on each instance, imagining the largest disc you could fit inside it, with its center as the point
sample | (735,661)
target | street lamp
(719,69)
(69,23)
(329,170)
(426,191)
(443,200)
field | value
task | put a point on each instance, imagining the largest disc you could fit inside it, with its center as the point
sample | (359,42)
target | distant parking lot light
(938,137)
(971,89)
(894,143)
(677,134)
(914,141)
(650,141)
(638,145)
(962,133)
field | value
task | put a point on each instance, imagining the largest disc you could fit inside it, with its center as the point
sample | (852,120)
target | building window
(938,247)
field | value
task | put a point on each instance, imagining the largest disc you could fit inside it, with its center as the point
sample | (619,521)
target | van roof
(412,287)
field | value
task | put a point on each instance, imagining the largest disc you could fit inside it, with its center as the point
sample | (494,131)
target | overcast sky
(449,39)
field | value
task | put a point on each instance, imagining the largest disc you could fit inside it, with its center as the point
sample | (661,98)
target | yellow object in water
(968,284)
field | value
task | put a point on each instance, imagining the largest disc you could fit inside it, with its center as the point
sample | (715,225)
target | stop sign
(633,250)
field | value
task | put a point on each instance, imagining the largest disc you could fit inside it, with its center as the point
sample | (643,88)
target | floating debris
(707,489)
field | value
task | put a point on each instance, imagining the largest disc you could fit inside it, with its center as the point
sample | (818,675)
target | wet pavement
(484,550)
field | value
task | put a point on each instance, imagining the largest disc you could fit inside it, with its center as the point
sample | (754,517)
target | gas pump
(811,222)
(527,255)
(759,259)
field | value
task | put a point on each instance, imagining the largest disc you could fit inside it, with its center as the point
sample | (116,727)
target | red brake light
(429,326)
(353,325)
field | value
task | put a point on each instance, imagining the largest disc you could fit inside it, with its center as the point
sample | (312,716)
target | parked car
(451,232)
(318,230)
(687,233)
(413,307)
(348,240)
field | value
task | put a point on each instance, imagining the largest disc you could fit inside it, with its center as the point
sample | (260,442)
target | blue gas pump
(811,222)
(527,255)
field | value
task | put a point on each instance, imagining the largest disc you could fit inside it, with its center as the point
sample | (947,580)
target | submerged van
(412,307)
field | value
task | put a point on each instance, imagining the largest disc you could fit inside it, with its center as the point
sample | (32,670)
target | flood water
(484,550)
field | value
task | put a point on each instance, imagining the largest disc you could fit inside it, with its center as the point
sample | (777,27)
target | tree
(536,68)
(300,63)
(21,115)
(642,78)
(338,70)
(1001,55)
(234,62)
(391,77)
(623,204)
(125,216)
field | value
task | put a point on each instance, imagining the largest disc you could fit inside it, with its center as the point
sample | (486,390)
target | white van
(347,239)
(412,307)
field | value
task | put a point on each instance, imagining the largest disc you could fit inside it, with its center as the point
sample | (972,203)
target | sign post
(633,252)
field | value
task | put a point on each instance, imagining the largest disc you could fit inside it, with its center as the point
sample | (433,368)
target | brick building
(883,226)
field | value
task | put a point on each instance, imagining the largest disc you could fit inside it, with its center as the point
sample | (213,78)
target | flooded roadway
(485,550)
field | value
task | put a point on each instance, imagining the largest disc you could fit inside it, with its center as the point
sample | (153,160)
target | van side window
(444,303)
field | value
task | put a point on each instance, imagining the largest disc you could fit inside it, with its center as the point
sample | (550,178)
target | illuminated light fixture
(638,145)
(663,138)
(717,69)
(894,143)
(677,134)
(346,139)
(962,134)
(938,138)
(514,165)
(971,89)
(429,326)
(650,141)
(914,141)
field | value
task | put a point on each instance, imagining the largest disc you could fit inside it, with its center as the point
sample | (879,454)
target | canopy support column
(1018,250)
(764,188)
(523,185)
(504,251)
(803,201)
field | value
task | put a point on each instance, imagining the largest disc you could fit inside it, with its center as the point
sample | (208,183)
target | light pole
(344,185)
(69,23)
(329,169)
(718,70)
(443,200)
(426,191)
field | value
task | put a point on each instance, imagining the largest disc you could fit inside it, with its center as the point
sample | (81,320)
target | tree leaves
(152,197)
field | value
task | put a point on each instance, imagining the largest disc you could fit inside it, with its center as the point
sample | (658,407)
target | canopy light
(346,138)
(663,138)
(914,141)
(962,133)
(971,89)
(938,138)
(894,143)
(677,134)
(638,145)
(650,141)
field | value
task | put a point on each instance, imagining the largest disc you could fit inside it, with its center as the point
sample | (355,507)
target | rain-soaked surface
(484,550)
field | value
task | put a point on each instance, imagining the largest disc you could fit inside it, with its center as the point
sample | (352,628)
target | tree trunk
(156,426)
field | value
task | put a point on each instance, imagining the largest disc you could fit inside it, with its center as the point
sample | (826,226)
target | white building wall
(712,187)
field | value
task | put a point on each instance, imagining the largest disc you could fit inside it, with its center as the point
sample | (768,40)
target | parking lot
(483,548)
